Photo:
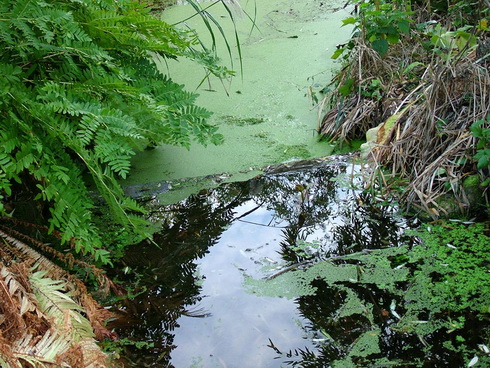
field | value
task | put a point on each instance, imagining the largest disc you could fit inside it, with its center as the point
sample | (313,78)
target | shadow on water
(190,301)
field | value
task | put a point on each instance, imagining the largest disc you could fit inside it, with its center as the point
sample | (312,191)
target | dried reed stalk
(430,144)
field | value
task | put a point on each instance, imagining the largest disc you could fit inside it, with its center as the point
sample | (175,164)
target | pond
(266,114)
(207,296)
(262,264)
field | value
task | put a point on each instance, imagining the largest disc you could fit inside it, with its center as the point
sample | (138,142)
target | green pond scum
(368,288)
(239,121)
(425,305)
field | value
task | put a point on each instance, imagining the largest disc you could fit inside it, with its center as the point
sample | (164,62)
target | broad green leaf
(350,20)
(381,46)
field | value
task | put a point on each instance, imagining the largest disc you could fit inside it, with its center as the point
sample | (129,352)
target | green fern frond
(80,93)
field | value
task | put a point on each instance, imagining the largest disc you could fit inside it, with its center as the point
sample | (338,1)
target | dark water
(191,302)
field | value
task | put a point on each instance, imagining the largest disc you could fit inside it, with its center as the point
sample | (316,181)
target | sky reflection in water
(201,305)
(238,330)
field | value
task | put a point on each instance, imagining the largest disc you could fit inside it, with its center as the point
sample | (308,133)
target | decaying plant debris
(423,110)
(47,316)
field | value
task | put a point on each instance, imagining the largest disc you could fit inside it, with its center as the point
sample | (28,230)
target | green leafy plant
(117,347)
(448,44)
(80,93)
(381,23)
(481,130)
(373,90)
(467,12)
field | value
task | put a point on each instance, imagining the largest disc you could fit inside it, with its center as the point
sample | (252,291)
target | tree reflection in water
(312,204)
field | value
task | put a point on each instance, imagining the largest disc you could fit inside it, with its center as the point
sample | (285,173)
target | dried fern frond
(66,258)
(16,301)
(95,312)
(57,304)
(56,330)
(41,352)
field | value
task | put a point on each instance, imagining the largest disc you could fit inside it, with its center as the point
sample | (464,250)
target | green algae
(272,110)
(297,151)
(436,291)
(298,282)
(375,269)
(353,305)
(239,121)
(367,344)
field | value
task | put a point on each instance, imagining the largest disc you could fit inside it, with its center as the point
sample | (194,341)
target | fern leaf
(51,306)
(45,350)
(80,93)
(58,305)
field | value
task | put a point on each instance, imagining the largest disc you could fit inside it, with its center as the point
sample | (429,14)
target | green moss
(471,181)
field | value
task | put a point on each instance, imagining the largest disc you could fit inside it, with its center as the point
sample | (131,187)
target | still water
(194,303)
(266,113)
(196,300)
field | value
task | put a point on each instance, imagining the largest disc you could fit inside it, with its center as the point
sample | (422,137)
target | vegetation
(431,299)
(80,94)
(414,80)
(417,74)
(371,293)
(48,318)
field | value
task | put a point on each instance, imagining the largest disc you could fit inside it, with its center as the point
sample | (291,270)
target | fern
(47,326)
(53,300)
(80,93)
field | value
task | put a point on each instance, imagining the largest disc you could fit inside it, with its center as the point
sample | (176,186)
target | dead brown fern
(25,253)
(37,323)
(65,258)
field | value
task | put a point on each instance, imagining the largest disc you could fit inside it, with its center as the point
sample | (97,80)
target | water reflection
(191,303)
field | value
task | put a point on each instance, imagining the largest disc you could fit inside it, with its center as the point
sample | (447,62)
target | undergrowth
(81,93)
(414,80)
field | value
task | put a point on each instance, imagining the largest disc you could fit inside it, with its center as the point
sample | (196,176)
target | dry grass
(430,143)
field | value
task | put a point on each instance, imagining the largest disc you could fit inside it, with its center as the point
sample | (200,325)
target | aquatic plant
(428,302)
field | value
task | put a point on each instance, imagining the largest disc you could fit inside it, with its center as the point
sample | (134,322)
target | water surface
(266,114)
(195,305)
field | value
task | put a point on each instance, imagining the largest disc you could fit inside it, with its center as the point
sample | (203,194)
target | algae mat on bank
(267,116)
